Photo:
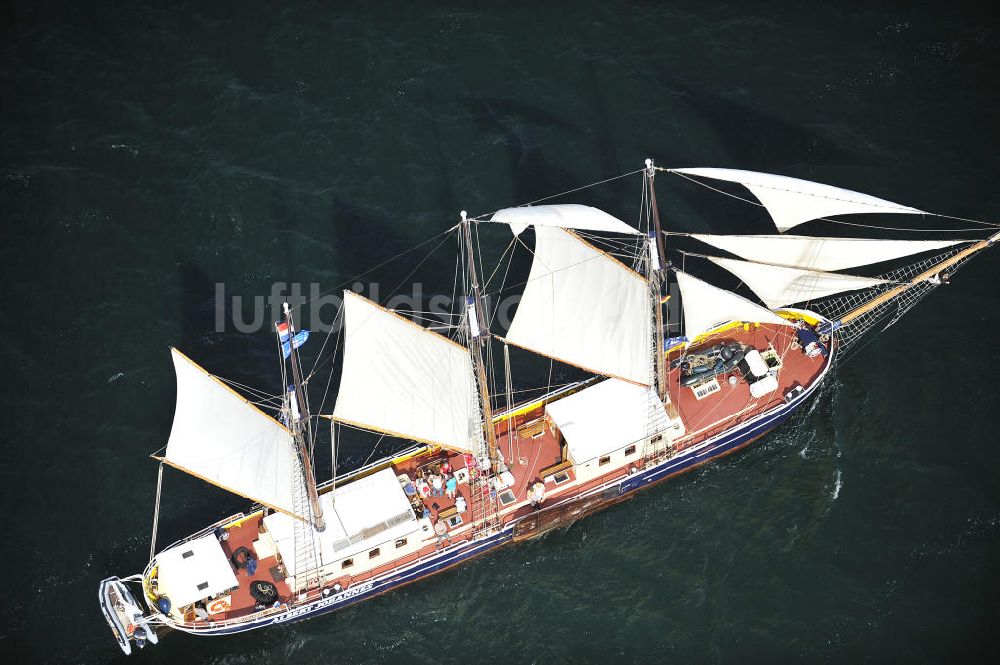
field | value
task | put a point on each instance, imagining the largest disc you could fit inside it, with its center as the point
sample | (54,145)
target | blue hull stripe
(724,443)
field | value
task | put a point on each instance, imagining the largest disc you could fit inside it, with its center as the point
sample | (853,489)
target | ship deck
(531,447)
(733,404)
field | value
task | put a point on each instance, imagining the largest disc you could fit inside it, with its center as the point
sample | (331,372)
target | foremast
(298,420)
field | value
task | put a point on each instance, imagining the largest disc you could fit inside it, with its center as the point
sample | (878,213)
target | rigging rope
(479,217)
(156,511)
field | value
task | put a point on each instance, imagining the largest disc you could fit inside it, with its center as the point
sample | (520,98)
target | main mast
(479,335)
(300,425)
(657,281)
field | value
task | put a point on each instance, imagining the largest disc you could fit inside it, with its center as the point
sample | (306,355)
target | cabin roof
(194,570)
(359,515)
(606,417)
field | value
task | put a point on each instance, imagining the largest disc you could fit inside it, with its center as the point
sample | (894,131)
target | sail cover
(791,201)
(583,307)
(779,286)
(813,253)
(222,438)
(405,380)
(707,306)
(567,216)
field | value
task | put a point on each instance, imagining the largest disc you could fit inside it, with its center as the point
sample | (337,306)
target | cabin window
(202,586)
(506,497)
(188,554)
(630,450)
(374,553)
(400,543)
(604,460)
(454,520)
(560,477)
(347,563)
(656,439)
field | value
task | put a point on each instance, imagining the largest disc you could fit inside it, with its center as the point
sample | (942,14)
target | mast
(301,429)
(478,336)
(657,282)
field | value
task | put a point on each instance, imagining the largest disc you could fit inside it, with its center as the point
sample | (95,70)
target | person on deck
(441,529)
(437,485)
(446,467)
(460,504)
(451,486)
(537,494)
(423,489)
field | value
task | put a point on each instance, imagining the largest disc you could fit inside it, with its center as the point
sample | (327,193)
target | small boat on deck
(483,469)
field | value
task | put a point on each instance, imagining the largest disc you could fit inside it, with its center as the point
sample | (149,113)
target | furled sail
(707,306)
(585,308)
(812,253)
(791,201)
(779,286)
(566,216)
(222,438)
(405,380)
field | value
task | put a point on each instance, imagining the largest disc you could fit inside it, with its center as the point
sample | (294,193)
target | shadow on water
(757,140)
(533,174)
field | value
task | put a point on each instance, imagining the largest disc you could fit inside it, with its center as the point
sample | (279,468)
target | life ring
(219,605)
(240,557)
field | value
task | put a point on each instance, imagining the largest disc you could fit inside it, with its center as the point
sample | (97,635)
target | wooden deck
(733,403)
(529,444)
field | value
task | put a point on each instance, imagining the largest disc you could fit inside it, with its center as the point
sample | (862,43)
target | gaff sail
(583,307)
(220,437)
(404,380)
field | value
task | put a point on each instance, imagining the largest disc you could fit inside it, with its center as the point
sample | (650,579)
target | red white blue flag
(297,340)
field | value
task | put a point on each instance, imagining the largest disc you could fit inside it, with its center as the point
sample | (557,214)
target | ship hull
(569,510)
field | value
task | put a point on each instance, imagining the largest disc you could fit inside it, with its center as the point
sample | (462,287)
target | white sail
(566,216)
(779,286)
(791,201)
(707,306)
(405,380)
(220,437)
(812,253)
(583,307)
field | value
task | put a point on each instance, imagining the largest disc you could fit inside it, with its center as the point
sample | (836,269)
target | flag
(282,331)
(298,339)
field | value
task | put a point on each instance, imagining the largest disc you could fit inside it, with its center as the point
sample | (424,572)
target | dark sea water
(151,151)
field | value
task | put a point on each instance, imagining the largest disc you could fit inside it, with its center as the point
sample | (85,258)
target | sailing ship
(484,470)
